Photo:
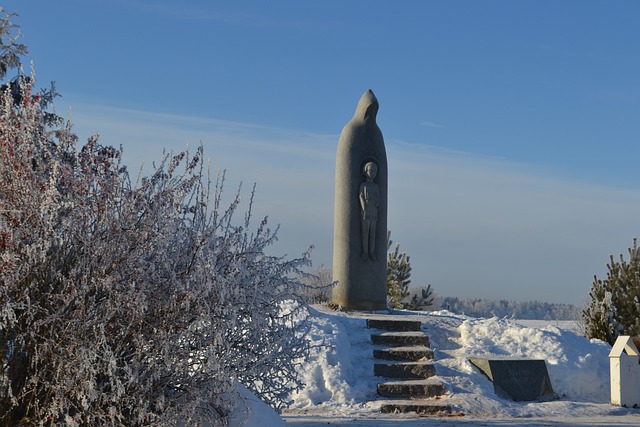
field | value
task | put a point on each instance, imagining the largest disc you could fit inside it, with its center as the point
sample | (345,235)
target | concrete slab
(517,379)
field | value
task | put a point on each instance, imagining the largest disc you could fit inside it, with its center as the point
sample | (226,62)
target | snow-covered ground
(341,389)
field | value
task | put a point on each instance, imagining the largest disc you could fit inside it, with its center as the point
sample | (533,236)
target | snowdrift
(340,383)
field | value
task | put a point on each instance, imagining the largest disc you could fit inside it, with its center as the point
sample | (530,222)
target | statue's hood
(367,107)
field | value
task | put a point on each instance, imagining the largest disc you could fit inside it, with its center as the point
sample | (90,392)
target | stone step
(400,338)
(394,325)
(411,389)
(407,370)
(422,408)
(404,354)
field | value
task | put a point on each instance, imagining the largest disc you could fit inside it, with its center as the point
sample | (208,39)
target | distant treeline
(533,310)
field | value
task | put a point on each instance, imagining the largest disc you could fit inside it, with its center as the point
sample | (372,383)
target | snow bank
(578,368)
(253,412)
(340,383)
(339,370)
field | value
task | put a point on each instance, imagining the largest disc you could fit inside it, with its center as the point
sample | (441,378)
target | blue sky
(511,126)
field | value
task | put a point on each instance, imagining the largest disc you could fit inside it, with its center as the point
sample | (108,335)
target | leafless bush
(131,303)
(317,285)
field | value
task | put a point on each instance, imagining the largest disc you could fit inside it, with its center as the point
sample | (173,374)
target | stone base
(363,305)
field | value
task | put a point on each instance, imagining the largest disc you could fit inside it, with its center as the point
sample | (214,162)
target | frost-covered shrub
(614,306)
(317,285)
(131,303)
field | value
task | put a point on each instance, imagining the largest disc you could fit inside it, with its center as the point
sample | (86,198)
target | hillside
(533,310)
(340,386)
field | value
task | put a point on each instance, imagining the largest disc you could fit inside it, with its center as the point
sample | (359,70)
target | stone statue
(369,203)
(360,214)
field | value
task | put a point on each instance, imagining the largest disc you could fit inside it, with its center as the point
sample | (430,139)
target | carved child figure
(369,202)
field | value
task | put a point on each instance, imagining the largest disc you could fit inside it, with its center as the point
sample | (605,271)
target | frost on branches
(132,303)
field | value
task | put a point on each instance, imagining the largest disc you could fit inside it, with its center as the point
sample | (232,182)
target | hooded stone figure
(360,212)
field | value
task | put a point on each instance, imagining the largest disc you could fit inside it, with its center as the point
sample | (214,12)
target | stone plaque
(517,379)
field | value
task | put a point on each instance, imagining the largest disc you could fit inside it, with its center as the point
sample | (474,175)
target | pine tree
(398,275)
(10,49)
(421,300)
(614,308)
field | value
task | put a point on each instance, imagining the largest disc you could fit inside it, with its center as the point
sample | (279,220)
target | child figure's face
(370,170)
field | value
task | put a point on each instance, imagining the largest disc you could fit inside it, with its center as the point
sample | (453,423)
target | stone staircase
(406,364)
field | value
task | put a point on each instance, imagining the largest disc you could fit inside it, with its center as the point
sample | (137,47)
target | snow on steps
(398,339)
(411,388)
(394,325)
(406,370)
(410,346)
(409,354)
(405,406)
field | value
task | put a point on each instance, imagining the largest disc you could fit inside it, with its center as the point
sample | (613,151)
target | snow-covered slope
(340,383)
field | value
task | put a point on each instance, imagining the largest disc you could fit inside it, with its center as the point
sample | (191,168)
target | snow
(341,389)
(252,412)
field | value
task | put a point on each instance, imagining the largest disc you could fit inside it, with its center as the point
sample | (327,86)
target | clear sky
(511,127)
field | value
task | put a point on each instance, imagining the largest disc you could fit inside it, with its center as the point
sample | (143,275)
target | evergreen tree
(398,275)
(11,52)
(10,49)
(421,300)
(614,308)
